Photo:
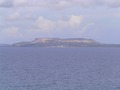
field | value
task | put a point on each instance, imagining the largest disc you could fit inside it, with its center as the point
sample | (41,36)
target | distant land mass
(59,42)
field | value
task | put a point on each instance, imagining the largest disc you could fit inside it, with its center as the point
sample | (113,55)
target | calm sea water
(59,68)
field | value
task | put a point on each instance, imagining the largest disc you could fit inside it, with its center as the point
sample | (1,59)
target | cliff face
(76,40)
(57,42)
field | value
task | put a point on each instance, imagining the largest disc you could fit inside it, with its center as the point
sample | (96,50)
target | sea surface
(34,68)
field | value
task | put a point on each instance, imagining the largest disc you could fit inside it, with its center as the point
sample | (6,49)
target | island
(61,43)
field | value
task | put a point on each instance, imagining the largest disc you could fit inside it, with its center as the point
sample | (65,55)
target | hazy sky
(23,20)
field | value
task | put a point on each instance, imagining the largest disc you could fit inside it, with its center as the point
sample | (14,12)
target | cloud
(14,16)
(10,32)
(111,3)
(87,27)
(14,34)
(75,20)
(5,3)
(47,25)
(19,16)
(59,3)
(20,2)
(73,25)
(13,3)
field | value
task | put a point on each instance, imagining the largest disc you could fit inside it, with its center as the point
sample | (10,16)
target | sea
(36,68)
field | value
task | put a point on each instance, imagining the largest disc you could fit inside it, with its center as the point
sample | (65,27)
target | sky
(24,20)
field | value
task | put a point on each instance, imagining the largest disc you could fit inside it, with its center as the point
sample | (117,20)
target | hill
(58,42)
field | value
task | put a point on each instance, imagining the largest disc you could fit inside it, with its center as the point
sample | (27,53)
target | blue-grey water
(30,68)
